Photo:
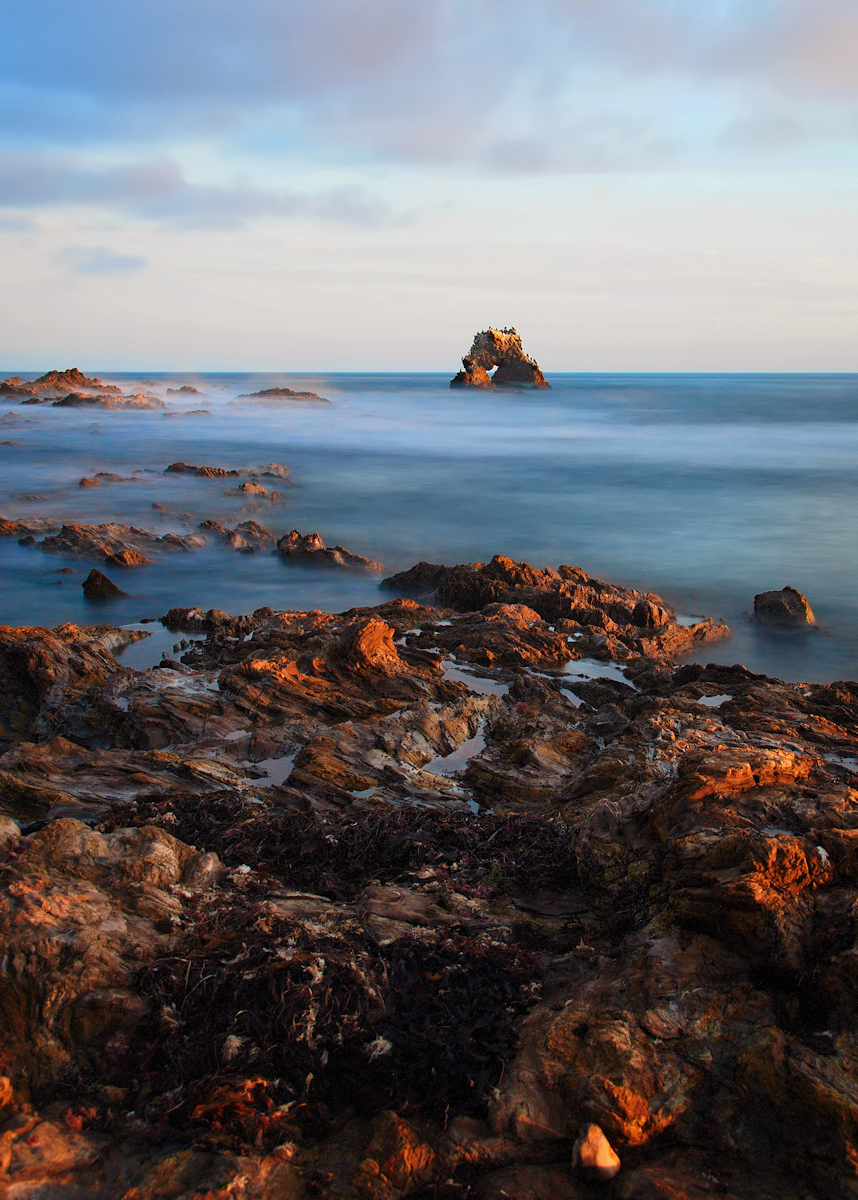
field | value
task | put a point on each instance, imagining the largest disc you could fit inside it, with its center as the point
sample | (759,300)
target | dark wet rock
(7,442)
(97,586)
(501,349)
(786,607)
(89,483)
(190,412)
(309,550)
(184,390)
(595,618)
(181,468)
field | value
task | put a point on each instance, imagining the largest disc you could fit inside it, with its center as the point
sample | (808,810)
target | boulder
(594,1156)
(498,350)
(97,586)
(786,607)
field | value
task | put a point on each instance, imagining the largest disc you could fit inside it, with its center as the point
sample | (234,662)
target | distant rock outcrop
(277,395)
(54,383)
(501,349)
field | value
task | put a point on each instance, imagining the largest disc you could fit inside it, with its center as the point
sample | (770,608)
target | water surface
(703,488)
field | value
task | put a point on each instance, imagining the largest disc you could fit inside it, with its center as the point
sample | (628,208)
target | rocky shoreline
(399,901)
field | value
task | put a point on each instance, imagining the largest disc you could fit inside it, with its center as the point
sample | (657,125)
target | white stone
(594,1156)
(9,833)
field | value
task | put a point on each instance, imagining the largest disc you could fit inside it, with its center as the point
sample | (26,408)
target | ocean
(703,488)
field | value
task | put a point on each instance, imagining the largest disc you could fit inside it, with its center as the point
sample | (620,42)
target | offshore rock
(279,395)
(60,381)
(97,586)
(501,349)
(103,541)
(786,607)
(15,387)
(85,400)
(309,550)
(182,468)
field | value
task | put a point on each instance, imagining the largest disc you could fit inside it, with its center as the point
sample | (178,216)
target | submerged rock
(97,586)
(85,400)
(786,607)
(501,349)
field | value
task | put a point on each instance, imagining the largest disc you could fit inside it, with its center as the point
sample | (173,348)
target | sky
(331,185)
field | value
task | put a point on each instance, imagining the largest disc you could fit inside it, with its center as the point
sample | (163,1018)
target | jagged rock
(590,617)
(309,550)
(786,607)
(97,586)
(501,349)
(89,483)
(594,1156)
(104,541)
(184,390)
(58,381)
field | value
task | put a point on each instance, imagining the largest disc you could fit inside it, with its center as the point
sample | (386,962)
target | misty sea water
(702,488)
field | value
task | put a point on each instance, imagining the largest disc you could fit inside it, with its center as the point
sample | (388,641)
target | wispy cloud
(424,80)
(160,191)
(99,260)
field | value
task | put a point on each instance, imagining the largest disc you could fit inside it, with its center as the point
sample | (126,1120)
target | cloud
(159,191)
(497,85)
(99,260)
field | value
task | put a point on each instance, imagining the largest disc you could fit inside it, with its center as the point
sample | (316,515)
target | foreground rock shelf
(401,901)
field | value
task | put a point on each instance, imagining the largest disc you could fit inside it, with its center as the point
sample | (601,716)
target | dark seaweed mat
(448,1003)
(447,1010)
(489,855)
